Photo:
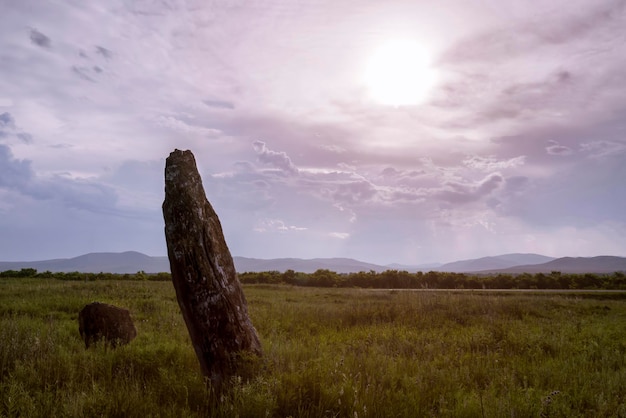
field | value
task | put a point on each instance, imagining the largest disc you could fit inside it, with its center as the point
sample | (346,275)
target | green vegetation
(390,279)
(328,353)
(394,279)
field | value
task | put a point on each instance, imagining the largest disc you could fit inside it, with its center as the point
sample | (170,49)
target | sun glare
(399,73)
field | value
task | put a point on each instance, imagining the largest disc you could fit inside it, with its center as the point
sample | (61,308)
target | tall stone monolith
(203,273)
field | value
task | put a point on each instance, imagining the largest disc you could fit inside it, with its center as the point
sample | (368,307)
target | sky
(400,131)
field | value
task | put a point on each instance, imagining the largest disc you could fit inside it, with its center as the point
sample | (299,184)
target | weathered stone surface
(100,321)
(203,273)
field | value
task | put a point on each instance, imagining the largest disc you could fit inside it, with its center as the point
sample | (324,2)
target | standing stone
(103,322)
(207,288)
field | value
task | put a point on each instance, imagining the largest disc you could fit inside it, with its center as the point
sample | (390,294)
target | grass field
(328,353)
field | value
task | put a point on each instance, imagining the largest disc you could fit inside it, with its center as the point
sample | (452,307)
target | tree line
(397,279)
(390,279)
(80,276)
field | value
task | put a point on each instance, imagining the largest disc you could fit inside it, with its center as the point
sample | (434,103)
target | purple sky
(518,146)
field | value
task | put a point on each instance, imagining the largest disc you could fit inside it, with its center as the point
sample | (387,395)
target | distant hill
(494,263)
(574,265)
(132,262)
(414,268)
(126,262)
(339,265)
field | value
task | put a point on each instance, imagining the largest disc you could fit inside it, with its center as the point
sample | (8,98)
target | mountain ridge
(502,261)
(514,263)
(603,264)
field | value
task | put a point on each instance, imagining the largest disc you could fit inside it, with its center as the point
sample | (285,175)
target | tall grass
(328,353)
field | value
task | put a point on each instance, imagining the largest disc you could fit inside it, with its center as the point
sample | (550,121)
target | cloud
(581,193)
(104,52)
(389,172)
(138,184)
(535,71)
(407,193)
(333,148)
(491,163)
(83,72)
(503,100)
(25,137)
(516,183)
(603,148)
(556,149)
(354,192)
(219,104)
(86,194)
(83,194)
(276,225)
(551,29)
(7,121)
(455,192)
(14,174)
(40,39)
(276,159)
(179,124)
(9,128)
(339,235)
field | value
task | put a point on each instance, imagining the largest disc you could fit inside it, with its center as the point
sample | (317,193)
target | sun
(399,73)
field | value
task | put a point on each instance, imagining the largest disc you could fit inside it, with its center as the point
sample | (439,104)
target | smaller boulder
(100,321)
